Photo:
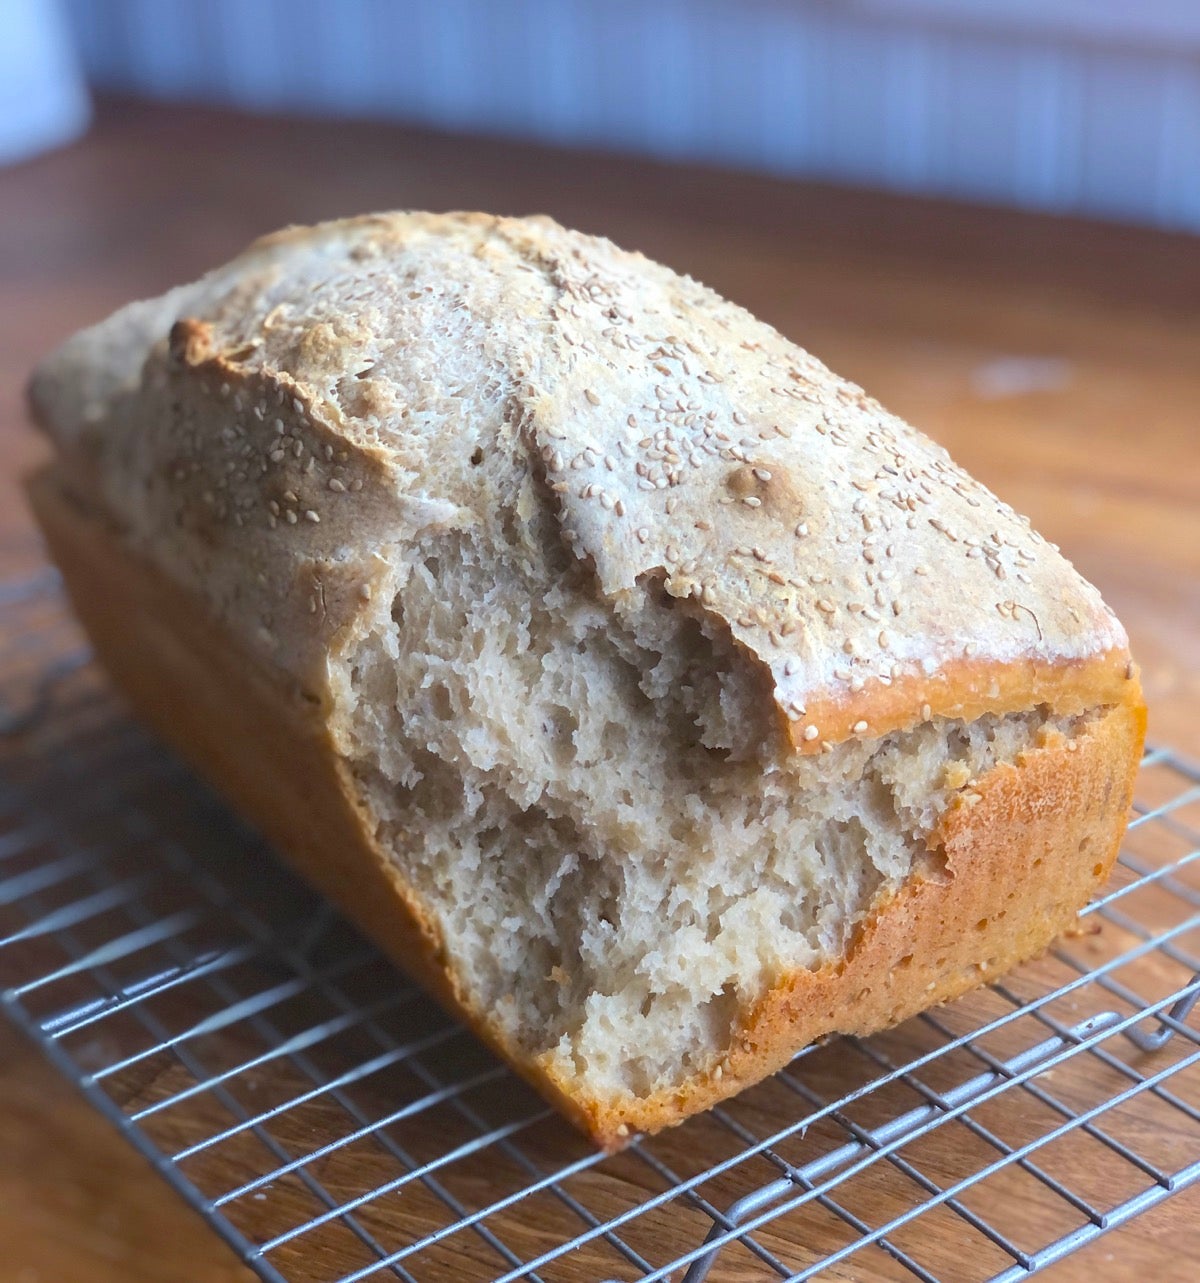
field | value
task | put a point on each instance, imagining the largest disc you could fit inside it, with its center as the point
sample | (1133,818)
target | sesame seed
(291,517)
(926,712)
(811,733)
(801,530)
(752,501)
(310,515)
(762,474)
(591,396)
(642,534)
(859,727)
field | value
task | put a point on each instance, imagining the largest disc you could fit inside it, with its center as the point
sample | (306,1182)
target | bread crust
(869,581)
(1010,865)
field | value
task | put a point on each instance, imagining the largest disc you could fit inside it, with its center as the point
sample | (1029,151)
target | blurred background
(1083,106)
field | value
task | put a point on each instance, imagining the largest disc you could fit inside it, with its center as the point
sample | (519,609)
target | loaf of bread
(647,690)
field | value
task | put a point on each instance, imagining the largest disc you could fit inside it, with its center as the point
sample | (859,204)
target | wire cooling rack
(331,1124)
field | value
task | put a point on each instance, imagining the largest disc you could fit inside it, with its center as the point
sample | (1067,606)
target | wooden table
(1056,359)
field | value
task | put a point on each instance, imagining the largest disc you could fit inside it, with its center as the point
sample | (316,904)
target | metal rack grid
(331,1124)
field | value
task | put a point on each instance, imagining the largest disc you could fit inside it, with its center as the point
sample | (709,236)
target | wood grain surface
(1055,359)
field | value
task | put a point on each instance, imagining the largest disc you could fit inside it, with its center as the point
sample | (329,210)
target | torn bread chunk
(647,690)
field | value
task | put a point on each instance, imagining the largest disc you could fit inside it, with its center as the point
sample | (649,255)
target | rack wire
(330,1123)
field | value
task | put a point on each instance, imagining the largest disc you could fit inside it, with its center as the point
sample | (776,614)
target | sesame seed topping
(811,733)
(336,485)
(310,515)
(591,396)
(859,727)
(752,501)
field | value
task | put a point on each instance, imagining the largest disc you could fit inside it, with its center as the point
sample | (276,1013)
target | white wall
(1087,106)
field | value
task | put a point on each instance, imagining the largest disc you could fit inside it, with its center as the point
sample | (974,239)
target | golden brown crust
(1011,873)
(967,689)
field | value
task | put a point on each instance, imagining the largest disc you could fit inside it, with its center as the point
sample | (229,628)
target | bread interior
(591,803)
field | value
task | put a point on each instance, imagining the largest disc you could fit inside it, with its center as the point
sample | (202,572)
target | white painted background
(1088,106)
